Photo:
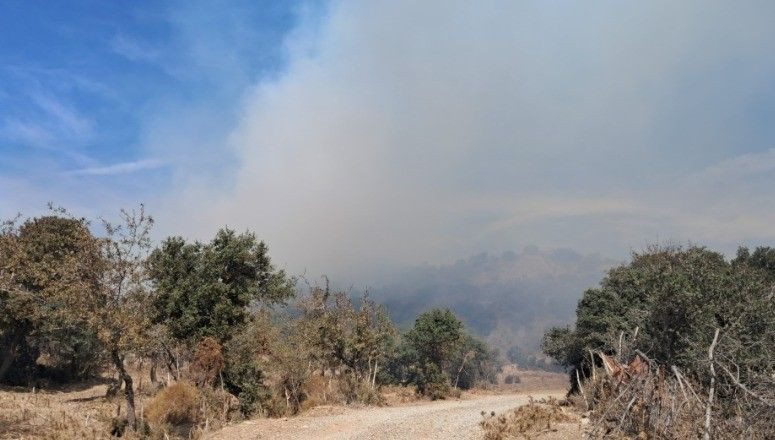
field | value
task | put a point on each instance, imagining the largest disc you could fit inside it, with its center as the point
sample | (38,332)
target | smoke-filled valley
(508,299)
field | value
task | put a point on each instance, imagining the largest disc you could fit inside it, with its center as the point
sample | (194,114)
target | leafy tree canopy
(676,298)
(435,336)
(47,269)
(204,289)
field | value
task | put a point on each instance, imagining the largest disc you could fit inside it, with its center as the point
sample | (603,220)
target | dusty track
(449,419)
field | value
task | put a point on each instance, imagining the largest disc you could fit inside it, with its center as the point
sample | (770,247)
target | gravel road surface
(446,419)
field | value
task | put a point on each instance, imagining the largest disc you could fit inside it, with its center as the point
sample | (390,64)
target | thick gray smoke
(508,299)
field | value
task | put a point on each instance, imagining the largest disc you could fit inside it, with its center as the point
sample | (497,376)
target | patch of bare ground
(513,378)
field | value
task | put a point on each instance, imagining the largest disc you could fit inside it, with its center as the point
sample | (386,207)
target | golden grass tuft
(177,404)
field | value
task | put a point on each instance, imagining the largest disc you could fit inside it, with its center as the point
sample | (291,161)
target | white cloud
(119,168)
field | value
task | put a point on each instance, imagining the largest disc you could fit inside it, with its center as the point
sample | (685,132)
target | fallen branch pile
(643,399)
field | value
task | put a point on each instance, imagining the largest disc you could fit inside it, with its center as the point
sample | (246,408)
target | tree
(48,267)
(430,347)
(204,290)
(762,258)
(473,362)
(676,298)
(120,312)
(345,339)
(435,336)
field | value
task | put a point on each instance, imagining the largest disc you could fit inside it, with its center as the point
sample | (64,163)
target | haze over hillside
(509,298)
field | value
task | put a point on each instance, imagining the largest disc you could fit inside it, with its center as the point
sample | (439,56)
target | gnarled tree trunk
(129,392)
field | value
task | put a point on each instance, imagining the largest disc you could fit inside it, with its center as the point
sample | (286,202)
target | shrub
(245,380)
(524,421)
(177,404)
(355,390)
(431,382)
(207,363)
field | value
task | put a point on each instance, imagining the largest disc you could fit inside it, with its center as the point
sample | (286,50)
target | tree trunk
(9,354)
(129,392)
(460,370)
(171,362)
(10,345)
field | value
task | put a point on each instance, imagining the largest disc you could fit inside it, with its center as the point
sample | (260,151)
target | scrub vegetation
(186,336)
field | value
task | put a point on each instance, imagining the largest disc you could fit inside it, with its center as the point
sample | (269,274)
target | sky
(357,137)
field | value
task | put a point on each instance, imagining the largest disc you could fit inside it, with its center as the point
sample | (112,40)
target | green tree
(762,258)
(435,336)
(205,290)
(430,347)
(47,269)
(676,298)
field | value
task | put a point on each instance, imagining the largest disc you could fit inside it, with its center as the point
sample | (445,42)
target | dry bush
(207,362)
(186,411)
(176,405)
(526,422)
(660,402)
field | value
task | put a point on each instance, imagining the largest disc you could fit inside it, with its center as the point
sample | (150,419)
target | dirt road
(447,419)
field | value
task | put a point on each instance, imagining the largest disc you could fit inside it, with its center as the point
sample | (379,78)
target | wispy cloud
(119,168)
(741,166)
(133,50)
(26,133)
(64,117)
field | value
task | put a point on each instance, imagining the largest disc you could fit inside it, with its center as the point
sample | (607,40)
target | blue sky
(81,83)
(356,136)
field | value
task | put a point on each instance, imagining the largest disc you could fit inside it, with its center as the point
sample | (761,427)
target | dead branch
(743,387)
(712,389)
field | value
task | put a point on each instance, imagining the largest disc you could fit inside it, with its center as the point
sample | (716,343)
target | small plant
(525,421)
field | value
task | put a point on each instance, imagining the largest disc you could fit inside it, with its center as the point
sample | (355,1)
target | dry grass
(58,414)
(82,411)
(177,404)
(528,421)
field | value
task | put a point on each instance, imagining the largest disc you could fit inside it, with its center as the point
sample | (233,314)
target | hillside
(508,299)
